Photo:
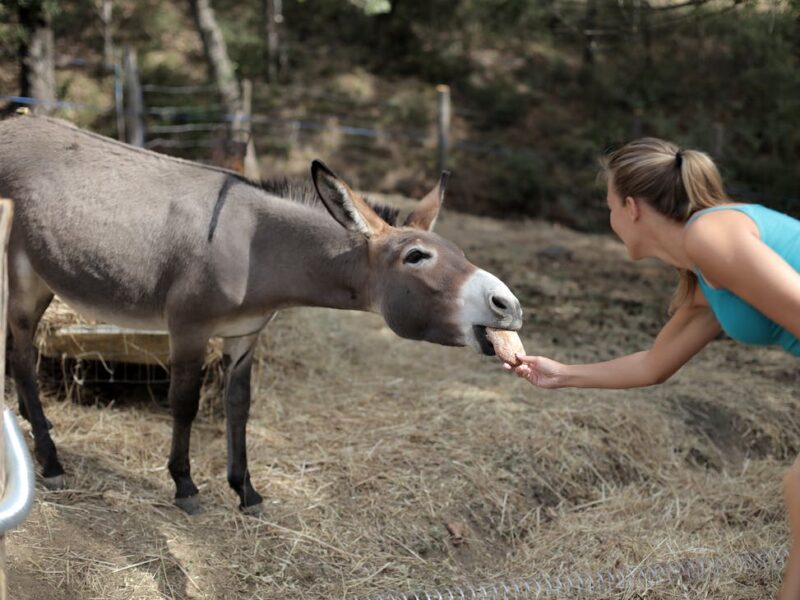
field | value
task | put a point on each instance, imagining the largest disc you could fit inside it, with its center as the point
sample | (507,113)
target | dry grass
(390,466)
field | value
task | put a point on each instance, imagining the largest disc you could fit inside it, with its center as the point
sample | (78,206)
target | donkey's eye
(415,256)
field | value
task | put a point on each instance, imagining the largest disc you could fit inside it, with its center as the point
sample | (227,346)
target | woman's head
(675,182)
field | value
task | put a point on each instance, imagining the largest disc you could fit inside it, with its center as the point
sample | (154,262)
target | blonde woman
(739,270)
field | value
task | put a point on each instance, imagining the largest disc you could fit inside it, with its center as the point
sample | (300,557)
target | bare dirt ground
(390,466)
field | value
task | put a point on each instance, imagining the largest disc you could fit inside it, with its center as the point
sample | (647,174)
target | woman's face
(621,220)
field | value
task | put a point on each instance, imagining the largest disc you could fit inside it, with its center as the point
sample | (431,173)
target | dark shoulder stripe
(221,196)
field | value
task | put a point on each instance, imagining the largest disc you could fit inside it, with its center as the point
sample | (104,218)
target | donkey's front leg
(238,353)
(186,362)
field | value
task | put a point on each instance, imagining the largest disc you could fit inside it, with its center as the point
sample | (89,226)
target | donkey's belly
(242,325)
(232,326)
(114,315)
(83,298)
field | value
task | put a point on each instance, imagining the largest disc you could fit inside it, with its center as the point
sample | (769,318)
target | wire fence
(189,120)
(625,580)
(172,124)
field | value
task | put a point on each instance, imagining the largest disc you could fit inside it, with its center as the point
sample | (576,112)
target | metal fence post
(443,125)
(119,102)
(134,99)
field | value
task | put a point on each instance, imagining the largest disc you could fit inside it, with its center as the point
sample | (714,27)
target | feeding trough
(64,334)
(82,351)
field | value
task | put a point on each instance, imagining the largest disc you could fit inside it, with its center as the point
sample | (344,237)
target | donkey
(136,238)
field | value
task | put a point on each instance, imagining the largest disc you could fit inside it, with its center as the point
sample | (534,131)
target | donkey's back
(107,226)
(63,176)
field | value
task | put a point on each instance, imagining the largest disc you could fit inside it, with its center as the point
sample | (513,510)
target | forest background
(540,89)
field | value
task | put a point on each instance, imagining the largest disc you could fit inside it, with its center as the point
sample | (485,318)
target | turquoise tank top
(740,320)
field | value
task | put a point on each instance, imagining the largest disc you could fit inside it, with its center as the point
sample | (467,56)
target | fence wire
(627,579)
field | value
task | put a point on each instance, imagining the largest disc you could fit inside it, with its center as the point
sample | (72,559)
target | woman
(739,268)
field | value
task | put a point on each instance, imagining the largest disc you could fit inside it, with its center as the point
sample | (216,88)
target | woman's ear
(633,208)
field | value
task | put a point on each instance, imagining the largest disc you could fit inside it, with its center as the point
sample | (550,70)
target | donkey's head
(421,283)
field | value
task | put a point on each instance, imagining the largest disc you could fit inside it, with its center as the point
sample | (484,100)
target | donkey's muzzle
(487,302)
(505,308)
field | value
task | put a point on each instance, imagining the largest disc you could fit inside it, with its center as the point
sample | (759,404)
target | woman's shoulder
(719,229)
(733,218)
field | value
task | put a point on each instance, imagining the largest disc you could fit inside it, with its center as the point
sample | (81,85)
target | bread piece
(506,345)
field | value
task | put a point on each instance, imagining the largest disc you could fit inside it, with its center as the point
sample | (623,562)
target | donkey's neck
(313,261)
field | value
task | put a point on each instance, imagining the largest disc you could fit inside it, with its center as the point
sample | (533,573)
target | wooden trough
(64,334)
(88,352)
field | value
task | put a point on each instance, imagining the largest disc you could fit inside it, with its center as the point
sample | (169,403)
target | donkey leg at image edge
(186,363)
(238,355)
(28,298)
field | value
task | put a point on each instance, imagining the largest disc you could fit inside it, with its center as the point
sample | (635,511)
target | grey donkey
(139,239)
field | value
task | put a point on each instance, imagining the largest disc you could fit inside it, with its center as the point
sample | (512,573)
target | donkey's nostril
(498,303)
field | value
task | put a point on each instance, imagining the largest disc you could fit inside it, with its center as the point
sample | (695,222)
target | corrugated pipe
(628,579)
(18,494)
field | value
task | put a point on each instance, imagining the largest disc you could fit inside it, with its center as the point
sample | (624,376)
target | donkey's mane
(304,192)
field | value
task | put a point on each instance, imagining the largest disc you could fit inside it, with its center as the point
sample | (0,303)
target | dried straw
(391,465)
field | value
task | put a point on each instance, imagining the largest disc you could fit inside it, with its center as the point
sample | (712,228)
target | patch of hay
(390,466)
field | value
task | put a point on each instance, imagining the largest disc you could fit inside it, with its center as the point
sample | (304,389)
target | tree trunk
(216,54)
(222,71)
(37,72)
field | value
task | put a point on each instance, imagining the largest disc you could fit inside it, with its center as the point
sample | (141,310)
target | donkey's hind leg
(238,356)
(28,298)
(23,410)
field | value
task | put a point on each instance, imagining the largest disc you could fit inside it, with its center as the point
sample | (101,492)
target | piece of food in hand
(506,345)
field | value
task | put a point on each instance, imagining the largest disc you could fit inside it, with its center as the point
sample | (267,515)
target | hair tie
(679,159)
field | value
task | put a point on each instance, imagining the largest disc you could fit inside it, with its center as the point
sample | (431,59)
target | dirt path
(391,466)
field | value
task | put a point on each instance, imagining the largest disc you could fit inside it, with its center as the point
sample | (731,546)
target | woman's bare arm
(691,327)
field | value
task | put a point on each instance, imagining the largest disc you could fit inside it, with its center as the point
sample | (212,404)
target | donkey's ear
(424,215)
(347,207)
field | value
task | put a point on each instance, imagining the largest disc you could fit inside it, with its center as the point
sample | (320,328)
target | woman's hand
(540,371)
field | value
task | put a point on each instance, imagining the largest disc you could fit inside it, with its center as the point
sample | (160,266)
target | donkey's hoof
(56,482)
(190,504)
(254,510)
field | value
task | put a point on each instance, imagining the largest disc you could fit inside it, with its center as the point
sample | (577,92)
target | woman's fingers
(523,371)
(529,360)
(540,371)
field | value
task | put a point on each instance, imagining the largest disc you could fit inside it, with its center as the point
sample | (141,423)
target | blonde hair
(676,182)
